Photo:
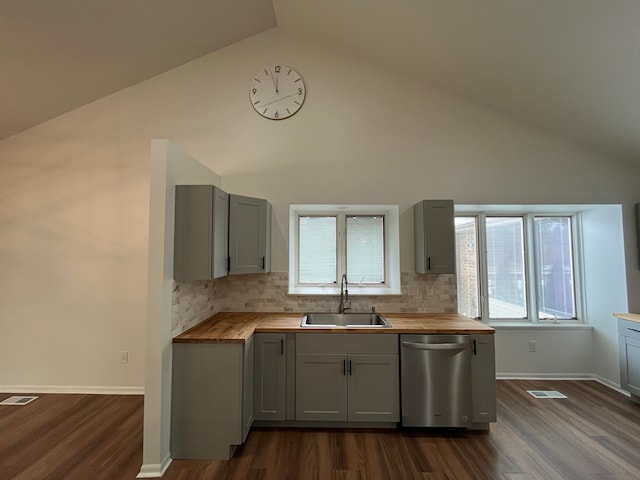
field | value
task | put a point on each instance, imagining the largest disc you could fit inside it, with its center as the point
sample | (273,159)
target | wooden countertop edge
(232,328)
(634,317)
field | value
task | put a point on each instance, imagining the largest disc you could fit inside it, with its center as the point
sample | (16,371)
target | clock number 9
(253,90)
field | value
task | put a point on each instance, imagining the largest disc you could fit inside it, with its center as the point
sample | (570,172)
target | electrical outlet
(532,346)
(124,356)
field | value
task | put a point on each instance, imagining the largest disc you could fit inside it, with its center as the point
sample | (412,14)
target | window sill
(539,326)
(354,290)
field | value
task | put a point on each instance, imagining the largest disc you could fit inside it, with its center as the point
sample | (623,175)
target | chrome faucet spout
(345,303)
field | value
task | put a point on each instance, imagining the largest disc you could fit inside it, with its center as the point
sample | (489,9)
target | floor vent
(546,394)
(18,400)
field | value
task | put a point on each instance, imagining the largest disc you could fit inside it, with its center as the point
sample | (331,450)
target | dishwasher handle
(436,346)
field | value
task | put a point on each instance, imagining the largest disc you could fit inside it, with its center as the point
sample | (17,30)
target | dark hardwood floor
(594,434)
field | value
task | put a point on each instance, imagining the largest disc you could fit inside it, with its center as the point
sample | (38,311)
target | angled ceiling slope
(58,55)
(569,67)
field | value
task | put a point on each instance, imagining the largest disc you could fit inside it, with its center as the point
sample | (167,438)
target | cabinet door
(270,376)
(321,387)
(200,235)
(631,382)
(373,388)
(483,378)
(249,235)
(434,236)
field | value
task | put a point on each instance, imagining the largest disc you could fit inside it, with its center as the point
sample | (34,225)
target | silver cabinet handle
(436,346)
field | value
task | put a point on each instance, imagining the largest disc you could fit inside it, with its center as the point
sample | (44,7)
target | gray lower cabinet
(212,399)
(270,386)
(629,352)
(483,379)
(347,377)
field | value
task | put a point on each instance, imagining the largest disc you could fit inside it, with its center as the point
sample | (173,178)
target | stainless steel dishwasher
(435,380)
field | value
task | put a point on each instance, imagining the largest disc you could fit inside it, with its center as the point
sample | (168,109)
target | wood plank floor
(594,434)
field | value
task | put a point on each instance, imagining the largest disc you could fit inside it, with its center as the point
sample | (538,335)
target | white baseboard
(72,389)
(154,470)
(561,376)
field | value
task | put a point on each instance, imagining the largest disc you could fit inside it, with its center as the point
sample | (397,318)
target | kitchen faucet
(345,303)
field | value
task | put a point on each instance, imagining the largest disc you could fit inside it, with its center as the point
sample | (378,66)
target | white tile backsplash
(196,301)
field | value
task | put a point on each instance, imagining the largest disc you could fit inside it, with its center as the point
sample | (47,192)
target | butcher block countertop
(237,327)
(634,317)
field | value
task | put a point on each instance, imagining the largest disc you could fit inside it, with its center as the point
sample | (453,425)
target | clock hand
(274,101)
(275,81)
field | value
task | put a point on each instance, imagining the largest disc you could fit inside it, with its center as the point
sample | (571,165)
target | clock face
(277,92)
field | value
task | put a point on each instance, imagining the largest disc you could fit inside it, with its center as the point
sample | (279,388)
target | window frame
(529,245)
(341,212)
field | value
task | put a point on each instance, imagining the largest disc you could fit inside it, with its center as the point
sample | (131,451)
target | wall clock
(277,92)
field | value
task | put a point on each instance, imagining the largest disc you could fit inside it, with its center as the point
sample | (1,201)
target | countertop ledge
(238,327)
(634,317)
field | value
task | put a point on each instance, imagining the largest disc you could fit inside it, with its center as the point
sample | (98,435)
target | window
(516,267)
(327,241)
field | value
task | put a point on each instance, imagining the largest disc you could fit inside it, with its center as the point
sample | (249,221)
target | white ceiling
(569,67)
(56,55)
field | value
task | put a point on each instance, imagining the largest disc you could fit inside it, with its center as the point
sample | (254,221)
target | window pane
(365,249)
(467,266)
(505,267)
(554,268)
(317,250)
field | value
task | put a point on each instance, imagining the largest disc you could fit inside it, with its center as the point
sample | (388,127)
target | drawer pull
(633,330)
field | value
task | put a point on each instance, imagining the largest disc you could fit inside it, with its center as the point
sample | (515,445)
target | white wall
(74,191)
(169,166)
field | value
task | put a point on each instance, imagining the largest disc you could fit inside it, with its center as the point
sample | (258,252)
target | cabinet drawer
(630,329)
(342,343)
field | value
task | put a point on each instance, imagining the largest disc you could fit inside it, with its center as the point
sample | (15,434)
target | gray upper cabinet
(249,235)
(270,376)
(434,236)
(483,378)
(201,226)
(217,234)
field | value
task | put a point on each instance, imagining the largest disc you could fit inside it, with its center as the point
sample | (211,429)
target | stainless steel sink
(346,320)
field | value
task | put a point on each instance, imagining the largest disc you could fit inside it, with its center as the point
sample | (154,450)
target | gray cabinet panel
(270,376)
(321,387)
(208,410)
(200,239)
(629,352)
(247,387)
(483,378)
(373,393)
(434,236)
(249,235)
(378,343)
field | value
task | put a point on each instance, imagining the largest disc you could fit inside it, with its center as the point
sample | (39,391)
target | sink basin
(346,320)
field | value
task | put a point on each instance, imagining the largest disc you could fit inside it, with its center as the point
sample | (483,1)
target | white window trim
(528,214)
(391,242)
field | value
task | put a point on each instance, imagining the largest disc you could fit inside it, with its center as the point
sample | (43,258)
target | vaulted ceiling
(569,67)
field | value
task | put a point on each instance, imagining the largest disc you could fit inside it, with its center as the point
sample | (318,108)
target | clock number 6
(277,115)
